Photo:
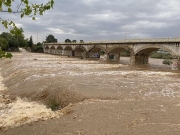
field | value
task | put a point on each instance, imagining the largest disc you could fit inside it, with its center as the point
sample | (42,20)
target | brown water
(42,77)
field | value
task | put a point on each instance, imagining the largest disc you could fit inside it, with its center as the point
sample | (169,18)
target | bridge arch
(80,48)
(52,50)
(119,49)
(59,50)
(114,53)
(68,51)
(79,51)
(142,54)
(150,48)
(68,48)
(95,48)
(94,51)
(46,49)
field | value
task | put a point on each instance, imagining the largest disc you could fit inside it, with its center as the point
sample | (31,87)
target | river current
(31,78)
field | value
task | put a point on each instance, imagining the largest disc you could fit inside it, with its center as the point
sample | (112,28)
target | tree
(51,39)
(20,38)
(74,41)
(30,43)
(14,41)
(67,41)
(3,43)
(38,47)
(81,41)
(24,8)
(5,54)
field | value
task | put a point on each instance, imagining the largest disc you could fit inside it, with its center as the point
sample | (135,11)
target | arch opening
(59,50)
(95,52)
(154,57)
(120,54)
(52,50)
(79,52)
(46,49)
(68,51)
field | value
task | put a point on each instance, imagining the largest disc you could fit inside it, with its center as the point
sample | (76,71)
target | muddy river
(48,94)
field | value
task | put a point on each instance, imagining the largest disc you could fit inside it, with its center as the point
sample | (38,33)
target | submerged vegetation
(53,104)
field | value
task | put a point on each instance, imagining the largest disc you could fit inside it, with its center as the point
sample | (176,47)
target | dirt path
(102,98)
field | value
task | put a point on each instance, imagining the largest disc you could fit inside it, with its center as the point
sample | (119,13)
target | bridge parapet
(148,40)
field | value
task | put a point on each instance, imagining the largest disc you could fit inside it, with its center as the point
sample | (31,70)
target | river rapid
(31,83)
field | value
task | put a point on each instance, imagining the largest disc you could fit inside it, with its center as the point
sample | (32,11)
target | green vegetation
(166,56)
(81,41)
(30,42)
(51,39)
(74,41)
(101,52)
(53,104)
(125,53)
(37,48)
(24,8)
(67,41)
(157,55)
(10,42)
(167,61)
(5,54)
(3,43)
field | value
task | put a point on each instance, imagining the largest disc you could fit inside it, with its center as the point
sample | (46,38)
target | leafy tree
(51,39)
(12,40)
(5,54)
(67,41)
(81,41)
(20,38)
(30,43)
(24,8)
(38,47)
(74,41)
(39,44)
(3,43)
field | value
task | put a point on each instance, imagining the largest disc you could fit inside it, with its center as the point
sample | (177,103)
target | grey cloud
(105,19)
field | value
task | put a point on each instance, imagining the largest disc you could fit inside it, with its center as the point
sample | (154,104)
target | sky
(96,20)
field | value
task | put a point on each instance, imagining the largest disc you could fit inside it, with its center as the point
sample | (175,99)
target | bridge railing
(175,39)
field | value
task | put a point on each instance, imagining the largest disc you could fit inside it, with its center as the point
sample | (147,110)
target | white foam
(21,111)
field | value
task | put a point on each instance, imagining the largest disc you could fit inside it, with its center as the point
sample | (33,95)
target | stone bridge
(139,49)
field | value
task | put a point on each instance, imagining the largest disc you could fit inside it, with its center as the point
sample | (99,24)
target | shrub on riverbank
(160,55)
(167,61)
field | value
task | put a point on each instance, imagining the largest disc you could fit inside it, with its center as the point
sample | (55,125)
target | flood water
(39,76)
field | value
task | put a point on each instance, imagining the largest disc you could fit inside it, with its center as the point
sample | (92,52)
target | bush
(167,61)
(54,104)
(125,53)
(5,54)
(160,55)
(37,48)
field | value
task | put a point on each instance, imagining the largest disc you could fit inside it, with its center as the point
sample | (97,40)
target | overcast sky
(103,20)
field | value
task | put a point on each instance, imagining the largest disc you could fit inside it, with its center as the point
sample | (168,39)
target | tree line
(51,39)
(24,8)
(11,42)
